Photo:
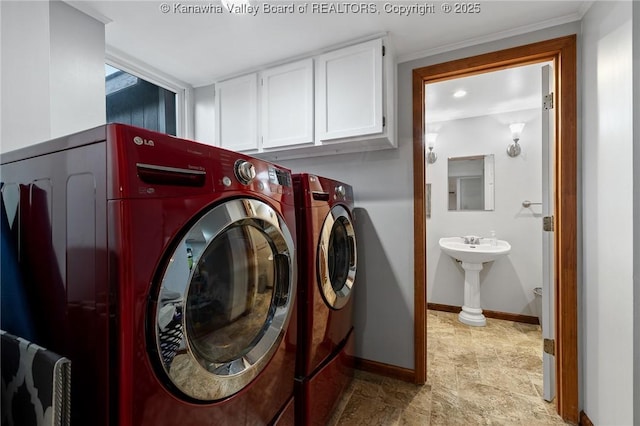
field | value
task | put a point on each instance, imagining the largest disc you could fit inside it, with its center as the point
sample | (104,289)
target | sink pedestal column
(471,313)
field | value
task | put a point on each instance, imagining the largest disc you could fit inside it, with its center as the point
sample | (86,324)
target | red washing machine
(327,258)
(165,270)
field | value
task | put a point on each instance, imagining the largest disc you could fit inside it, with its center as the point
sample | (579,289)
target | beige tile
(533,329)
(407,396)
(414,417)
(366,388)
(521,360)
(422,401)
(511,380)
(535,410)
(442,374)
(468,374)
(456,417)
(537,382)
(444,407)
(368,377)
(545,421)
(487,402)
(341,405)
(475,376)
(367,412)
(443,398)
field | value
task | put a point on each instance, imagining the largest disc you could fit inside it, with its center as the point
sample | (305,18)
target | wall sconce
(516,130)
(431,141)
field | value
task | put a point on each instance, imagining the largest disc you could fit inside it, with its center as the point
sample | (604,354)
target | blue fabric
(15,314)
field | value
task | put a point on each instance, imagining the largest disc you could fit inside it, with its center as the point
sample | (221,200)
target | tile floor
(476,376)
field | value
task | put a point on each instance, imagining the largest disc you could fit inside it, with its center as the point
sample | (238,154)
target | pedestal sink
(472,252)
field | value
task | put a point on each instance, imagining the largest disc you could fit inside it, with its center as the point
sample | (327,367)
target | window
(132,100)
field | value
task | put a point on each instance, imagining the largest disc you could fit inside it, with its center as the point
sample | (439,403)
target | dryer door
(336,258)
(225,300)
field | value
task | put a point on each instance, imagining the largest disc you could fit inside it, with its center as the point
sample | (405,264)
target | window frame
(183,90)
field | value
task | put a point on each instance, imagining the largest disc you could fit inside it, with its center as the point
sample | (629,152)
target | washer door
(225,299)
(336,258)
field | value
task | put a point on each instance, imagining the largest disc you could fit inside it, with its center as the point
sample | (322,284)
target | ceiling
(510,93)
(197,49)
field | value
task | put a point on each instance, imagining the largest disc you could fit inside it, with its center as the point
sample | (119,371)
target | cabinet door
(349,97)
(236,113)
(287,105)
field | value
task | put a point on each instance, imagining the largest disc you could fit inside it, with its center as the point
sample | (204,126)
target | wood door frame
(562,51)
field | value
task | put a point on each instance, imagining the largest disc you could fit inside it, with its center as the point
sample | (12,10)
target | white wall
(607,292)
(24,105)
(52,80)
(76,64)
(204,113)
(506,284)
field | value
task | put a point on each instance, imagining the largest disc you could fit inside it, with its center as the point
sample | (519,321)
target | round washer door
(225,300)
(336,258)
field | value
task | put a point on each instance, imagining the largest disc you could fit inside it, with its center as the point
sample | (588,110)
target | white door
(349,92)
(287,104)
(548,274)
(236,119)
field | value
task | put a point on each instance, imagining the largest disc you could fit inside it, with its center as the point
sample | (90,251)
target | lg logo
(140,141)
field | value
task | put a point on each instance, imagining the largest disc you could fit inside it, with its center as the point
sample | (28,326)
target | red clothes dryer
(165,270)
(327,257)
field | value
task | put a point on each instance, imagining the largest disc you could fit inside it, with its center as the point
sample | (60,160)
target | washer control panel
(279,177)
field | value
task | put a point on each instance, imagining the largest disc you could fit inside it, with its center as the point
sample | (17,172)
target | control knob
(245,171)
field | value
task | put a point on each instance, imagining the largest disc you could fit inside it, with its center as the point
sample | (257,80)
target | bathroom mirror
(471,182)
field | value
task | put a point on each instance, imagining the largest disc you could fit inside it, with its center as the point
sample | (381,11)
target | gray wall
(384,218)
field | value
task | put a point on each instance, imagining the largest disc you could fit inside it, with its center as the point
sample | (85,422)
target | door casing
(562,51)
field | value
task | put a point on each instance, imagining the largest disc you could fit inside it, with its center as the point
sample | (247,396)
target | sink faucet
(471,239)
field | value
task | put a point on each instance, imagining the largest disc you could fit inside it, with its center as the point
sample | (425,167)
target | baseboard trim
(584,419)
(527,319)
(387,370)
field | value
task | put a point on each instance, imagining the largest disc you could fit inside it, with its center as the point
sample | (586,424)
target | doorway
(562,52)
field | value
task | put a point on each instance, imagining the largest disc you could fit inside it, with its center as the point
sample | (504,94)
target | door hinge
(547,101)
(384,50)
(384,121)
(547,224)
(549,346)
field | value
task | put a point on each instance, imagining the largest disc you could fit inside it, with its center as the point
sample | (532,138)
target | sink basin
(474,253)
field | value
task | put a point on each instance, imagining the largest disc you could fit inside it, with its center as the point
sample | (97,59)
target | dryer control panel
(317,191)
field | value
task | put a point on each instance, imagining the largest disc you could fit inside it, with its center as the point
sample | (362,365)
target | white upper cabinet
(349,92)
(236,105)
(337,101)
(287,105)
